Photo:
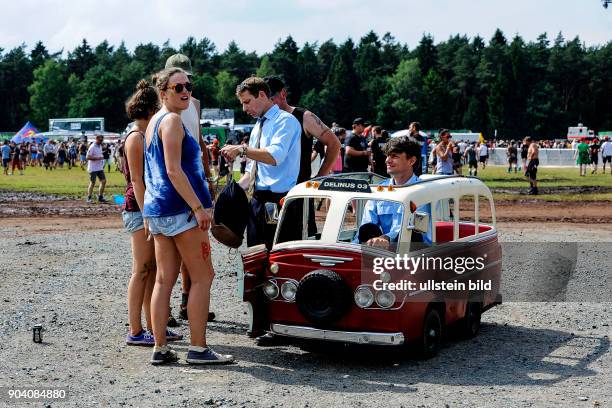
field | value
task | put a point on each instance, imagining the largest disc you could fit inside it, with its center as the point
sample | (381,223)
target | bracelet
(199,207)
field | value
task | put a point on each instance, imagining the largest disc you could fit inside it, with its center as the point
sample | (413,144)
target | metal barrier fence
(548,157)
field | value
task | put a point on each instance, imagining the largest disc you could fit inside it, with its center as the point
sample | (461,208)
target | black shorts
(532,169)
(473,163)
(594,159)
(49,158)
(98,174)
(5,162)
(512,160)
(607,159)
(483,158)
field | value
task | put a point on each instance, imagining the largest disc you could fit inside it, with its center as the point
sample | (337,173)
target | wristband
(199,207)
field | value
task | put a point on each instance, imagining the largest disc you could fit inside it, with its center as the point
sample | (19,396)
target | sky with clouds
(258,25)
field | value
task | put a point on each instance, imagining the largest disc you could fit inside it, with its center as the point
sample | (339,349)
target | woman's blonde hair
(162,78)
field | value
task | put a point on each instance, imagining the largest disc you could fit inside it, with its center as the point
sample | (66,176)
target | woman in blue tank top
(176,209)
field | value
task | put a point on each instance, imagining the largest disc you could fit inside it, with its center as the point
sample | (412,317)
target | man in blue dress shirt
(274,150)
(402,153)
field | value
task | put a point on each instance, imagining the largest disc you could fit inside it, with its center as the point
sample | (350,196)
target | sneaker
(144,338)
(101,199)
(89,200)
(163,355)
(201,355)
(172,335)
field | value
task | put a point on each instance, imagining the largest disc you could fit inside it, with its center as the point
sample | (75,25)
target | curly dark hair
(143,103)
(403,144)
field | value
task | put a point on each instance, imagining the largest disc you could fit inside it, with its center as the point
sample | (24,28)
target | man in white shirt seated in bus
(402,153)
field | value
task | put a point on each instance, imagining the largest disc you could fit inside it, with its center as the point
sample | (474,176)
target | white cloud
(258,25)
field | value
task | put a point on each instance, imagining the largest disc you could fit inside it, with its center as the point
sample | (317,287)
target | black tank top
(306,147)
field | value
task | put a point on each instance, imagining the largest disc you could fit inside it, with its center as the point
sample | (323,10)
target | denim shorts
(171,225)
(132,221)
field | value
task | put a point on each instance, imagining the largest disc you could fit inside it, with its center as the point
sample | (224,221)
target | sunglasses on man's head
(178,88)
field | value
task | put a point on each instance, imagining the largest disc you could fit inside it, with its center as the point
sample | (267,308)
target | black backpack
(231,215)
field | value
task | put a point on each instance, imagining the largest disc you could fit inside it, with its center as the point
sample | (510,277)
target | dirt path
(26,205)
(71,275)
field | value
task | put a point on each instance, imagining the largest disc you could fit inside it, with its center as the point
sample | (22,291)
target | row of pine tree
(516,87)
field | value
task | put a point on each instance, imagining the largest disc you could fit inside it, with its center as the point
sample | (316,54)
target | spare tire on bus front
(323,297)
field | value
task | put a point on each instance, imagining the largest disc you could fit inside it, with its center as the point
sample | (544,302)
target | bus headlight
(364,297)
(385,298)
(288,291)
(270,289)
(385,276)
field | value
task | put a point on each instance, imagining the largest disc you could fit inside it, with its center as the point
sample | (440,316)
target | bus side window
(467,215)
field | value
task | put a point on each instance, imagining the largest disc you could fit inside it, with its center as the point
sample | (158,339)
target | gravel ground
(74,282)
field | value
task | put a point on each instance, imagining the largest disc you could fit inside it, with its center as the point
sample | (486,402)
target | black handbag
(231,215)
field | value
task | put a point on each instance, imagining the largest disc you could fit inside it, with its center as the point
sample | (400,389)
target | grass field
(74,183)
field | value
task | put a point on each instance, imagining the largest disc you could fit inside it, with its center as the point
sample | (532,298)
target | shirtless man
(531,172)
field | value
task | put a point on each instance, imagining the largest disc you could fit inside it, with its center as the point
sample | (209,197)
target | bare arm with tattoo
(316,128)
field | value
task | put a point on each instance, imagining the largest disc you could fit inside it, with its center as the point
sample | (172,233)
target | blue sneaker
(144,338)
(172,335)
(163,355)
(205,355)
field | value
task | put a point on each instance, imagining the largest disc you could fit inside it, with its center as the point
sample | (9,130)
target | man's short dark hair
(403,144)
(417,125)
(377,129)
(359,121)
(275,83)
(253,85)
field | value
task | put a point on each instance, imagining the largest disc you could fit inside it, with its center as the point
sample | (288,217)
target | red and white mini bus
(326,283)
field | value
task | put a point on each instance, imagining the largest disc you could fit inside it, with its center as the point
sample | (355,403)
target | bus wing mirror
(271,213)
(420,222)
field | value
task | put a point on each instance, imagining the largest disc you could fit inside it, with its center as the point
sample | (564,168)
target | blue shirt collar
(410,181)
(272,112)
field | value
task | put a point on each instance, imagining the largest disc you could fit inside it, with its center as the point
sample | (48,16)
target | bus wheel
(431,337)
(471,320)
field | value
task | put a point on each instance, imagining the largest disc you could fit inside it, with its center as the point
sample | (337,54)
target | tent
(25,133)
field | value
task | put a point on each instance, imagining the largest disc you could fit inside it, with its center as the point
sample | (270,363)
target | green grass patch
(60,181)
(498,177)
(74,183)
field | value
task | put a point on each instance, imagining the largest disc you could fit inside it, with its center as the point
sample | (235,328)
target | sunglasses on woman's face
(178,88)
